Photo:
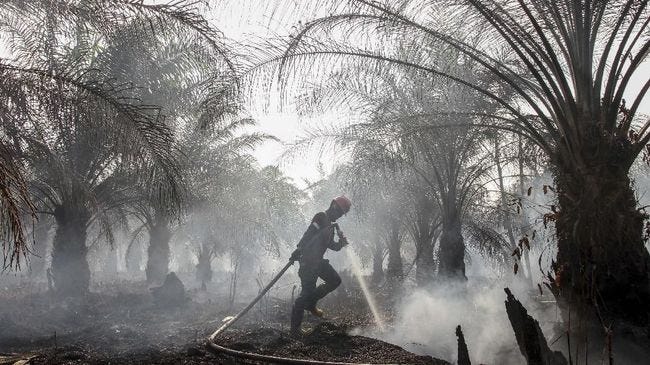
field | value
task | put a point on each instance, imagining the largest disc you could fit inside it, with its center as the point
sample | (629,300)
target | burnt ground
(327,341)
(121,324)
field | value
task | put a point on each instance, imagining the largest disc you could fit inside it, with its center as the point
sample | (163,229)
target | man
(311,248)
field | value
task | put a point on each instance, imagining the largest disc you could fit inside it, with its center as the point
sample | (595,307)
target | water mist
(356,270)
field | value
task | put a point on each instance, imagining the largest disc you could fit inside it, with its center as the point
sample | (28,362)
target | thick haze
(445,212)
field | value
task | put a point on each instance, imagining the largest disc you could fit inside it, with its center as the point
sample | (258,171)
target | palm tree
(569,65)
(426,129)
(260,214)
(425,229)
(213,153)
(394,201)
(77,162)
(84,131)
(381,206)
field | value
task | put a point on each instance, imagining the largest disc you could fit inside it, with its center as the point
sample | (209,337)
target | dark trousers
(310,293)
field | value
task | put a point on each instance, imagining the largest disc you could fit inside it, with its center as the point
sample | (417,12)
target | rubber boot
(320,292)
(317,312)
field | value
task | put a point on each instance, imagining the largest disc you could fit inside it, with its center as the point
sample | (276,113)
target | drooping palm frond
(93,70)
(168,40)
(16,209)
(488,242)
(568,62)
(136,123)
(329,52)
(107,16)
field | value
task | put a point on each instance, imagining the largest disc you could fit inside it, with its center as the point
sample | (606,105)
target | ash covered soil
(121,324)
(328,342)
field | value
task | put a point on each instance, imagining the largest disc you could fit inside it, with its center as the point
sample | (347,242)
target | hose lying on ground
(214,347)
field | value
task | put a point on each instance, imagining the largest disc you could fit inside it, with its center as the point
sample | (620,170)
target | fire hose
(216,348)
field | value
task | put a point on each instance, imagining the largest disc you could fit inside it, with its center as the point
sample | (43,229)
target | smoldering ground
(426,318)
(121,322)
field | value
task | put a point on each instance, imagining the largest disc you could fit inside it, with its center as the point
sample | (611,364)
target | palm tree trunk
(69,262)
(601,259)
(425,265)
(425,230)
(158,253)
(452,248)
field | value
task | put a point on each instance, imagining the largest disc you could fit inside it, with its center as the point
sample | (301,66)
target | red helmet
(344,203)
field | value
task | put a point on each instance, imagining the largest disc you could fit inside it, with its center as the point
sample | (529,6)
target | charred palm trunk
(601,262)
(425,231)
(395,270)
(158,252)
(452,248)
(425,265)
(70,270)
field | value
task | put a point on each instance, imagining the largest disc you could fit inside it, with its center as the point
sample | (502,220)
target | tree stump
(530,338)
(463,354)
(171,293)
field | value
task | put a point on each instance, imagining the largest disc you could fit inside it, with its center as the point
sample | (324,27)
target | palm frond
(556,66)
(16,208)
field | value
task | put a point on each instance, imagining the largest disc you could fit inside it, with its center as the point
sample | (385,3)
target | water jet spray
(356,270)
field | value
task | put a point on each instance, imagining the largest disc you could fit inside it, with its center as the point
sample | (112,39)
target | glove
(295,255)
(342,239)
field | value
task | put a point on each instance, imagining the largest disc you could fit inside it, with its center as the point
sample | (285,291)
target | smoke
(425,322)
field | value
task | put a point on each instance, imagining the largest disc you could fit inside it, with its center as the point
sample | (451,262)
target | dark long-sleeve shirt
(318,237)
